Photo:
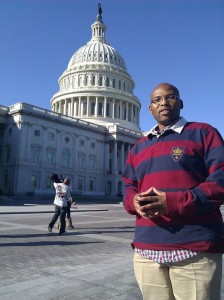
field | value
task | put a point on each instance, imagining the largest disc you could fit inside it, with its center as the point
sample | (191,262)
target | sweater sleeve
(130,185)
(208,195)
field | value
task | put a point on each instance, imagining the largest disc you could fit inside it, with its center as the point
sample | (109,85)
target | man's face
(165,105)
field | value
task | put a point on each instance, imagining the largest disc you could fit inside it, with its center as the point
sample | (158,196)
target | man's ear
(150,109)
(181,104)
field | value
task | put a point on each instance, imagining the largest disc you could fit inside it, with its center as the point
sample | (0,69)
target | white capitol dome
(96,86)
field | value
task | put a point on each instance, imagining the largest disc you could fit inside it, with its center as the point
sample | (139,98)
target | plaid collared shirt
(166,256)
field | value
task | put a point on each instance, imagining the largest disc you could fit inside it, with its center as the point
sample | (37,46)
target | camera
(55,178)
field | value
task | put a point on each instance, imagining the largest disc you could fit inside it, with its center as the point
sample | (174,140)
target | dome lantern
(98,28)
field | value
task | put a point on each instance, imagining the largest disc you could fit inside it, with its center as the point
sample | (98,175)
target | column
(121,111)
(107,156)
(65,106)
(72,108)
(127,112)
(122,156)
(60,107)
(113,109)
(115,157)
(87,112)
(96,108)
(79,110)
(132,113)
(105,107)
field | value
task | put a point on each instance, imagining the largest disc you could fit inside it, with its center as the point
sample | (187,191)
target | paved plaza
(93,261)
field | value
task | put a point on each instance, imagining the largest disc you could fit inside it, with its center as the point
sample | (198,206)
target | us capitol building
(86,136)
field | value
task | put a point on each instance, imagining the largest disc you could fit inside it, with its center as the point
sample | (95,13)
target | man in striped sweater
(174,184)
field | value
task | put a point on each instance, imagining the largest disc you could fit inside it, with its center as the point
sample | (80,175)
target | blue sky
(175,41)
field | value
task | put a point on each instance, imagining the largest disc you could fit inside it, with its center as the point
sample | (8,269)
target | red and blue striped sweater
(188,165)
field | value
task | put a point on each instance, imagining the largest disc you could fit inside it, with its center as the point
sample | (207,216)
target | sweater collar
(177,126)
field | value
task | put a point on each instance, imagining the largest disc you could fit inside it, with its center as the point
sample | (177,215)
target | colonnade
(105,107)
(115,156)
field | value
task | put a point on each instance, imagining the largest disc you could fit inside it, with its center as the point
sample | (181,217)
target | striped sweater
(187,163)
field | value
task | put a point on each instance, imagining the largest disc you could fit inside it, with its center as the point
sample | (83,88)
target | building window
(67,140)
(119,84)
(81,161)
(86,80)
(36,132)
(91,184)
(108,110)
(92,162)
(50,157)
(94,80)
(50,136)
(85,108)
(125,113)
(65,158)
(100,81)
(8,153)
(81,183)
(92,145)
(82,142)
(92,109)
(113,83)
(10,131)
(48,182)
(107,82)
(35,152)
(100,109)
(33,181)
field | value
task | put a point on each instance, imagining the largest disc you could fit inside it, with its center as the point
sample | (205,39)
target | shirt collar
(177,126)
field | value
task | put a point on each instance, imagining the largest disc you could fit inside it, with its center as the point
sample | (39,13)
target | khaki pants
(196,278)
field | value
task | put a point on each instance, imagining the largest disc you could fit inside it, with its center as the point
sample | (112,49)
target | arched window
(107,82)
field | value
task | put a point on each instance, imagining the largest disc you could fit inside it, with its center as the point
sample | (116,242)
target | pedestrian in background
(174,184)
(62,196)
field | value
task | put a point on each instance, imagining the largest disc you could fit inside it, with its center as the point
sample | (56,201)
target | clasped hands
(155,205)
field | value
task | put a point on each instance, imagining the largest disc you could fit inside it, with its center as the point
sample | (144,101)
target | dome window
(100,81)
(107,82)
(113,83)
(94,80)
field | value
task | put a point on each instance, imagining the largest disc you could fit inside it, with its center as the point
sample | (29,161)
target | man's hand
(150,204)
